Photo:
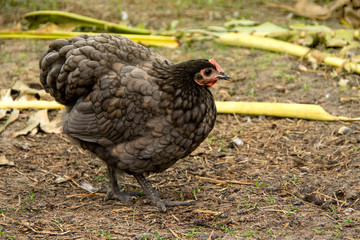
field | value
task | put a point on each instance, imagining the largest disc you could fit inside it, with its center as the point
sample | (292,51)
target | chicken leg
(114,192)
(153,196)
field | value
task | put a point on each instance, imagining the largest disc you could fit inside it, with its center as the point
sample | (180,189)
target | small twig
(327,196)
(217,216)
(277,210)
(212,180)
(237,119)
(175,217)
(173,233)
(347,99)
(207,211)
(244,211)
(82,195)
(212,232)
(286,224)
(123,209)
(355,202)
(333,219)
(223,182)
(27,225)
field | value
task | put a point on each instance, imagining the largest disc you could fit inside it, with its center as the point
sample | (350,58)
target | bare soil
(290,179)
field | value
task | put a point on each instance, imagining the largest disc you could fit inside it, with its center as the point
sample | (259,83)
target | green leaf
(66,18)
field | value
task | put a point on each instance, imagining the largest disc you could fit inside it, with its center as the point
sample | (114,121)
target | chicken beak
(223,76)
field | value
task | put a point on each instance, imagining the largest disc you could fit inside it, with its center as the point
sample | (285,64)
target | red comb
(218,68)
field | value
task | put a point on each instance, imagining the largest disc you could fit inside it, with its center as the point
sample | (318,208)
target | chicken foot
(153,196)
(114,191)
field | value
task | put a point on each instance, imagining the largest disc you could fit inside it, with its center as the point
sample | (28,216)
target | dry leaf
(5,162)
(352,16)
(5,95)
(24,89)
(2,113)
(49,27)
(33,122)
(307,8)
(13,116)
(39,118)
(53,126)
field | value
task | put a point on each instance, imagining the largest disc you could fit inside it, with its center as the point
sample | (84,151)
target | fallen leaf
(13,116)
(5,162)
(343,82)
(307,8)
(49,27)
(352,16)
(264,29)
(242,22)
(33,122)
(39,119)
(5,95)
(35,19)
(53,126)
(2,113)
(24,89)
(318,28)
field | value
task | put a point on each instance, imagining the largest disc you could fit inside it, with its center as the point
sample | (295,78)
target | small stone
(298,203)
(343,82)
(348,211)
(88,187)
(60,179)
(344,130)
(280,88)
(304,169)
(303,68)
(238,142)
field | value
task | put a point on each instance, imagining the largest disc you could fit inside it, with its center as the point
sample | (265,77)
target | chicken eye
(208,72)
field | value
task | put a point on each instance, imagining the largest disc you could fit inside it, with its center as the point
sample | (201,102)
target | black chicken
(134,109)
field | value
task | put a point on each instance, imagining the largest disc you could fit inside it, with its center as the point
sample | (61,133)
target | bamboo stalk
(290,110)
(270,44)
(151,40)
(250,41)
(31,104)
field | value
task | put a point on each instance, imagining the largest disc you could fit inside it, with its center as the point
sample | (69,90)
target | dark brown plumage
(134,109)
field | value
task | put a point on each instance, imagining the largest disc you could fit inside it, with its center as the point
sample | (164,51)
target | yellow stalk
(31,104)
(269,44)
(290,110)
(150,40)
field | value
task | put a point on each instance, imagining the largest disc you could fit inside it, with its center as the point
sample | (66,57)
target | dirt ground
(290,179)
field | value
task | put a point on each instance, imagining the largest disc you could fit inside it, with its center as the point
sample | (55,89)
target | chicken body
(134,109)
